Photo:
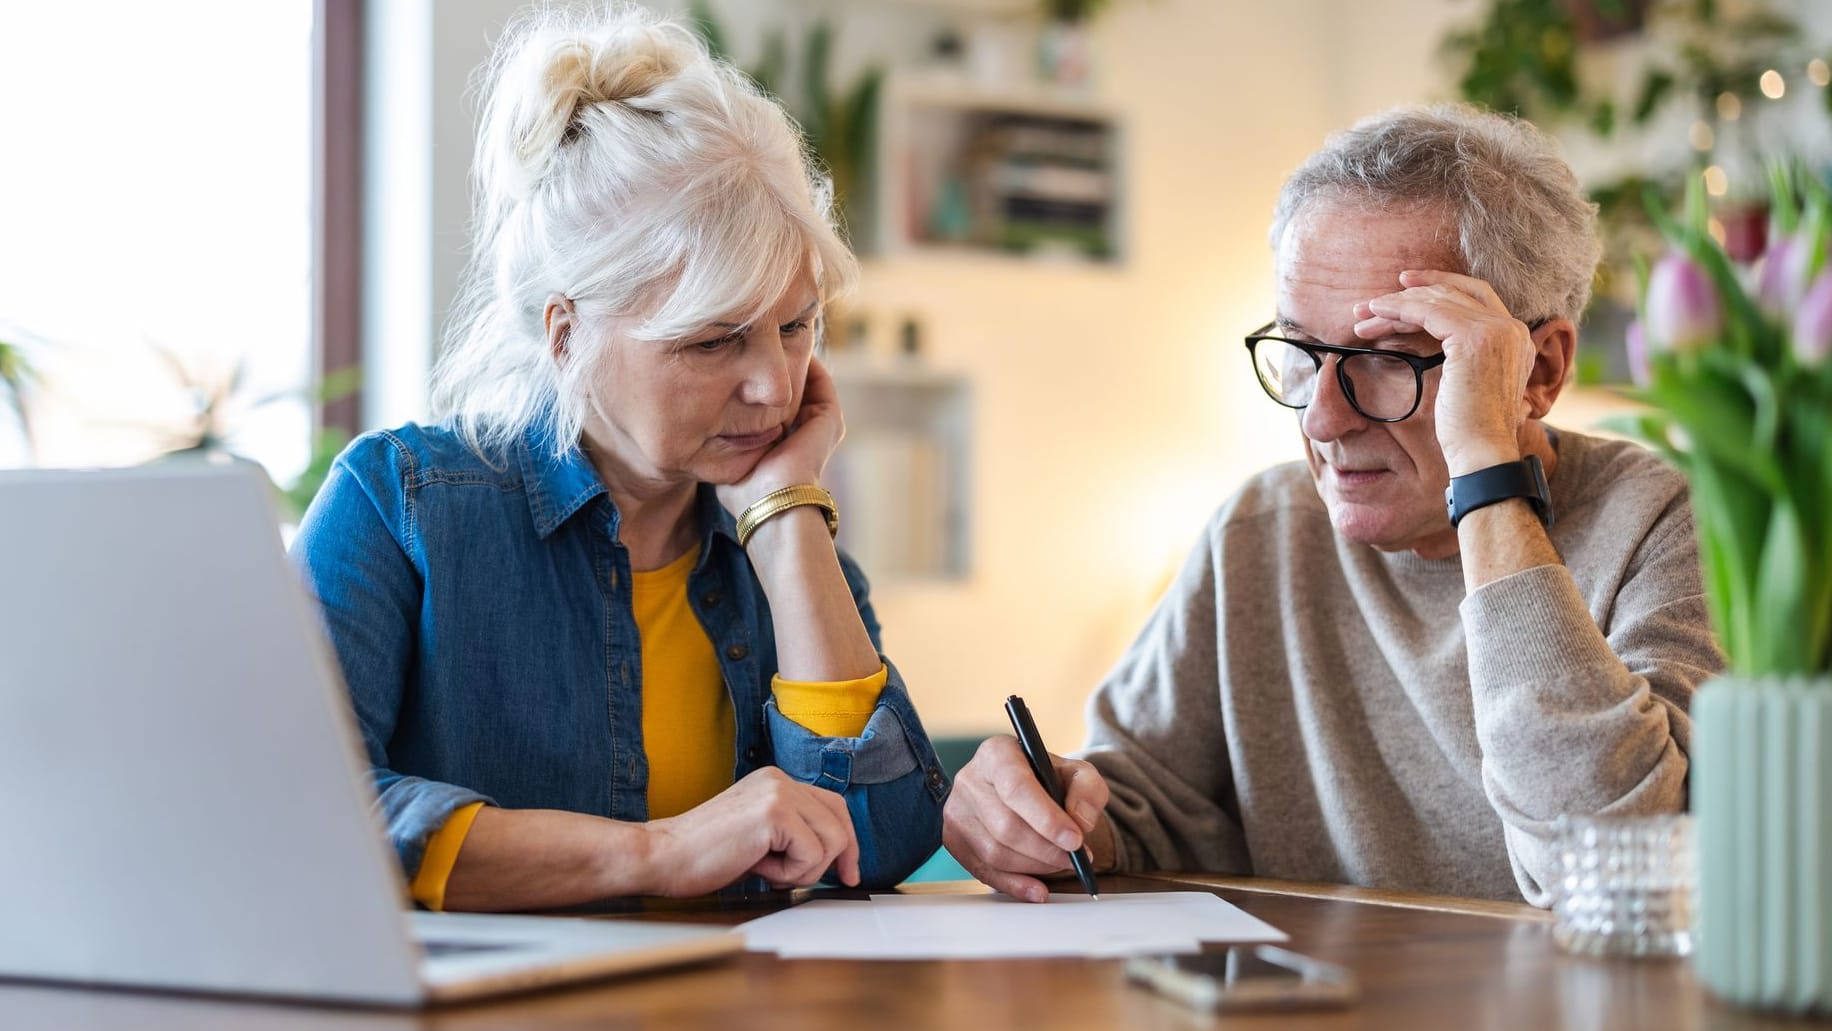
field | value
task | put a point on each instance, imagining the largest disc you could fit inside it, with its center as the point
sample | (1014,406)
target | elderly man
(1396,663)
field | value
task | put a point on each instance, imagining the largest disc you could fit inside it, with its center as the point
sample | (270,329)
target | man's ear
(557,318)
(1555,347)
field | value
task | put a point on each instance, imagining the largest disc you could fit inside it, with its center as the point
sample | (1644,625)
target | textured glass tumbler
(1625,885)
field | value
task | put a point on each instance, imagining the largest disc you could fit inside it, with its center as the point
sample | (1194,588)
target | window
(155,227)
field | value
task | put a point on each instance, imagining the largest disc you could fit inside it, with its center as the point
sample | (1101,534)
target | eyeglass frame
(1420,366)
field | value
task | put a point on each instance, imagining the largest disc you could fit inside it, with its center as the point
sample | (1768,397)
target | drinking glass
(1625,885)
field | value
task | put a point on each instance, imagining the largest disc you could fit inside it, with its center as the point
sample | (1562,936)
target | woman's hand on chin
(802,454)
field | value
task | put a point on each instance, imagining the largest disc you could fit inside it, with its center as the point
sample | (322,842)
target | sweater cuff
(428,888)
(1532,627)
(839,708)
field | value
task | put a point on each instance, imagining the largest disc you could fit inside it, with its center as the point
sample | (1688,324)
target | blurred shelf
(901,475)
(949,89)
(1022,170)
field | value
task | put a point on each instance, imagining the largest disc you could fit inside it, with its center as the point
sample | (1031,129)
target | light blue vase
(1762,794)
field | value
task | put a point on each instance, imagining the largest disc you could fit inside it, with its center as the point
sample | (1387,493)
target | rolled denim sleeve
(352,552)
(889,774)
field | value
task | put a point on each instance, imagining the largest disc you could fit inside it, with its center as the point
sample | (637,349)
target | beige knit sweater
(1302,707)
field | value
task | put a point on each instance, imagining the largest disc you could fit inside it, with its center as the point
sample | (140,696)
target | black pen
(1032,743)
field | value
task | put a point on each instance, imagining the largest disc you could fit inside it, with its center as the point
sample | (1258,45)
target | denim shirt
(481,612)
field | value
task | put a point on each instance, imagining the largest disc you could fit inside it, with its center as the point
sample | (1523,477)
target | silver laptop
(184,803)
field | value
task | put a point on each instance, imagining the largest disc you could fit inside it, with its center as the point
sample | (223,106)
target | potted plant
(208,429)
(840,124)
(1734,359)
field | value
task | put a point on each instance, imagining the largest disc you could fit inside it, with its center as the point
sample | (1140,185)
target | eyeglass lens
(1380,386)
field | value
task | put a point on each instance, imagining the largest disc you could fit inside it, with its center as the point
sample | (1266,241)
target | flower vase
(1762,795)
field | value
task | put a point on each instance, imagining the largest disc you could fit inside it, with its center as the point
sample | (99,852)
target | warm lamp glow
(1716,182)
(1701,136)
(1818,73)
(1729,106)
(1773,86)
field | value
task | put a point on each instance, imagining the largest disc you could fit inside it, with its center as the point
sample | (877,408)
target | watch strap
(1523,479)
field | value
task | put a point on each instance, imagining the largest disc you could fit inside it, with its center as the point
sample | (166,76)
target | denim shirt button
(934,777)
(736,652)
(710,599)
(753,755)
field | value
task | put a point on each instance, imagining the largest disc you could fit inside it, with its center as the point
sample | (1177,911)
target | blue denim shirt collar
(559,486)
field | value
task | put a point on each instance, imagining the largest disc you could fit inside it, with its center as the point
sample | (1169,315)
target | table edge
(1354,893)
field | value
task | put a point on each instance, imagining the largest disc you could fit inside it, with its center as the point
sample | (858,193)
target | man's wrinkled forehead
(1428,225)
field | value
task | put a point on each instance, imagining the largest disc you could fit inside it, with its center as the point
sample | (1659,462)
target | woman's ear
(1555,357)
(557,318)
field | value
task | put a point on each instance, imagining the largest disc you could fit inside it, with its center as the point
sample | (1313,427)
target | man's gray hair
(1521,220)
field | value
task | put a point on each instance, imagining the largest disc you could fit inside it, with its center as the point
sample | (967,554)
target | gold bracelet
(777,502)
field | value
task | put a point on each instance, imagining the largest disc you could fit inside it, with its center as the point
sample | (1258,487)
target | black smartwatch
(1523,479)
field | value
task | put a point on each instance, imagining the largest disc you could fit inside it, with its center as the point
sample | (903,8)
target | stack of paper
(989,926)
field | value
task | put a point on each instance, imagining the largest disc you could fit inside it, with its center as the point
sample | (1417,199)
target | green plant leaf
(1779,598)
(700,16)
(1705,395)
(297,496)
(1732,523)
(816,55)
(770,69)
(1783,202)
(1603,118)
(1651,429)
(1654,91)
(338,384)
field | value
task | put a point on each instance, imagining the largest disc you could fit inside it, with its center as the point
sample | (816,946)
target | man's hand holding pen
(1002,825)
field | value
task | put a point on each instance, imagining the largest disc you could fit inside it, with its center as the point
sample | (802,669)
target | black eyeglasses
(1384,386)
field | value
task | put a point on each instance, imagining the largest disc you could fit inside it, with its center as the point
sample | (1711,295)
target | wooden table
(1423,962)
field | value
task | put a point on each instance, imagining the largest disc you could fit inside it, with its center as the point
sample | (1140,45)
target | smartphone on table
(1246,977)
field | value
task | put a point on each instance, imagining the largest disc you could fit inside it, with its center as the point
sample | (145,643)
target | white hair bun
(560,73)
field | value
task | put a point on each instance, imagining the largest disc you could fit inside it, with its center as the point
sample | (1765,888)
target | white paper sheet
(988,926)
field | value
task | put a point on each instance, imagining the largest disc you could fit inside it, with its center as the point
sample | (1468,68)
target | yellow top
(688,729)
(688,732)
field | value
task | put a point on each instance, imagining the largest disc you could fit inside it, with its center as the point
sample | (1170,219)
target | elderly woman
(596,631)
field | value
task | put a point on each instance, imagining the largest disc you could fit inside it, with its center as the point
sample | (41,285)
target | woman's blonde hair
(621,165)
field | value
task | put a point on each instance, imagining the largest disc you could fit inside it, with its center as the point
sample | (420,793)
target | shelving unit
(901,475)
(1024,171)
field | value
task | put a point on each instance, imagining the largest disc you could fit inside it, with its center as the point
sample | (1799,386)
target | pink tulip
(1813,322)
(1784,277)
(1682,311)
(1635,341)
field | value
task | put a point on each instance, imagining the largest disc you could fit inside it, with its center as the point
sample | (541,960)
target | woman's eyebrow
(735,326)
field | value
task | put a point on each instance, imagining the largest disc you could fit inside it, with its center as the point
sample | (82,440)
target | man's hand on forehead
(1429,301)
(1481,400)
